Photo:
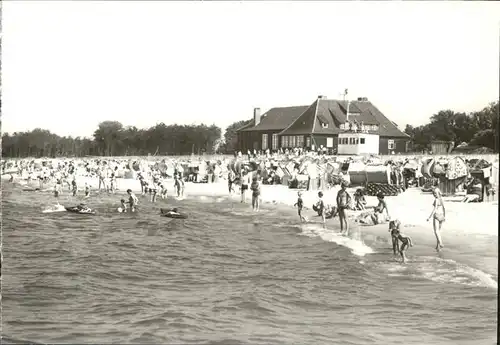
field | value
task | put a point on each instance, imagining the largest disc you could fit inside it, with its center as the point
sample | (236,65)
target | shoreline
(411,207)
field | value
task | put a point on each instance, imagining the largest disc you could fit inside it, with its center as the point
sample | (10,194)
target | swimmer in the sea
(406,241)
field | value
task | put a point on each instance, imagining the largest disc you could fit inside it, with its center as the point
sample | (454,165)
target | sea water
(227,275)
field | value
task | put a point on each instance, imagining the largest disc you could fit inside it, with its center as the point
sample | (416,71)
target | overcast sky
(66,66)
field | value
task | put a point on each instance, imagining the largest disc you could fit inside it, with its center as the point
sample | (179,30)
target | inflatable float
(172,213)
(80,210)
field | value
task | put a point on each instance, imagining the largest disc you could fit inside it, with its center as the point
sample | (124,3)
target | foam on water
(55,208)
(354,242)
(441,271)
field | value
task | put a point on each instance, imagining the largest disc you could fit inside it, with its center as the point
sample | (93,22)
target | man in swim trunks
(255,187)
(343,202)
(74,186)
(230,180)
(245,182)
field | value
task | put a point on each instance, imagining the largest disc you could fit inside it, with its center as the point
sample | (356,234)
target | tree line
(111,138)
(478,128)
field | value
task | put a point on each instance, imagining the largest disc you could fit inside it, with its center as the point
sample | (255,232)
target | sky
(66,66)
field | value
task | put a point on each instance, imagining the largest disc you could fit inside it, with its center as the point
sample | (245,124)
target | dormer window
(324,125)
(342,126)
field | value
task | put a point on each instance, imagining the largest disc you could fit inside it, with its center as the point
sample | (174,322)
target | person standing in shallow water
(255,187)
(343,201)
(245,182)
(438,215)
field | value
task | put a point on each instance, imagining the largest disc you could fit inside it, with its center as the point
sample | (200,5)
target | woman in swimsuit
(439,215)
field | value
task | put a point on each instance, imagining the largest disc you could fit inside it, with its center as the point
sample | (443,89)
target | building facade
(324,124)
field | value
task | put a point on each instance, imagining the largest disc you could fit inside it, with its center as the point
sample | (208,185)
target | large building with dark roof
(320,124)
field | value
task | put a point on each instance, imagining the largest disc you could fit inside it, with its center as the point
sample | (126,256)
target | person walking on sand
(343,202)
(439,215)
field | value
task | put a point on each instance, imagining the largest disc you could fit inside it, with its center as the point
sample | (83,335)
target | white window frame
(274,141)
(264,141)
(308,141)
(292,140)
(300,141)
(390,144)
(284,141)
(329,142)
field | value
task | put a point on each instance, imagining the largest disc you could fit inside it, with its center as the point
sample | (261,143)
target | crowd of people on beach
(246,178)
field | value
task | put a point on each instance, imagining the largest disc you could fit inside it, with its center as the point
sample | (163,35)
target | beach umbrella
(136,166)
(427,167)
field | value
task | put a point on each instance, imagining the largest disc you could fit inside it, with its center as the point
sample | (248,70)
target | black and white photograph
(249,172)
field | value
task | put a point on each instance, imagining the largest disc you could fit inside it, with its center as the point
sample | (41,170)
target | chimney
(321,97)
(256,116)
(360,99)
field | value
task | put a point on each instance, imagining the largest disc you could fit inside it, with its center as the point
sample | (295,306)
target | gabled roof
(304,120)
(276,119)
(387,128)
(304,124)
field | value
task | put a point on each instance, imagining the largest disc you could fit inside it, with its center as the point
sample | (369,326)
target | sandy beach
(411,207)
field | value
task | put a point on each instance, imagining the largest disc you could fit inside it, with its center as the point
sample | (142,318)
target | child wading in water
(123,206)
(394,228)
(300,206)
(132,200)
(320,207)
(255,187)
